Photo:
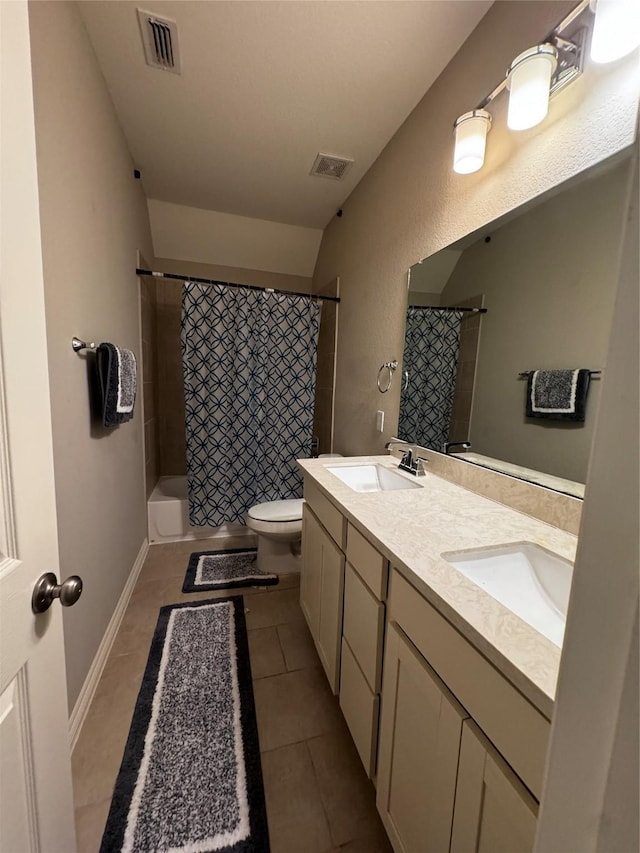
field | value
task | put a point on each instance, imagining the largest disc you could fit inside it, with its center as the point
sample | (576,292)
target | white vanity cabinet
(322,579)
(456,752)
(344,608)
(420,737)
(442,783)
(366,579)
(494,812)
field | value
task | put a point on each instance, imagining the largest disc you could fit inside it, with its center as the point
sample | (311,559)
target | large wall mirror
(545,277)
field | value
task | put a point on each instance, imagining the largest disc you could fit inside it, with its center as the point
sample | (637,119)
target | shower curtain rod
(444,308)
(197,280)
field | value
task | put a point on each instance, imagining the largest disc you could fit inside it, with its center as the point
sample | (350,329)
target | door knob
(47,588)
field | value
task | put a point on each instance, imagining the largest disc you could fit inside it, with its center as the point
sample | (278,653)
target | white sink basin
(371,478)
(529,580)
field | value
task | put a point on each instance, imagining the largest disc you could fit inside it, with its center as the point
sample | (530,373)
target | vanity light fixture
(529,84)
(616,29)
(471,140)
(545,69)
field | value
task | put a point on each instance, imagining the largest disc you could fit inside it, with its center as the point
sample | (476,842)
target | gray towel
(558,394)
(117,371)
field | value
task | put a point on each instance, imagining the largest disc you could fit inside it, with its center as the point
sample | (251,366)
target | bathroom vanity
(448,695)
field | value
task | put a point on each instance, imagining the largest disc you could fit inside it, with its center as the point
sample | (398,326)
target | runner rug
(191,779)
(209,570)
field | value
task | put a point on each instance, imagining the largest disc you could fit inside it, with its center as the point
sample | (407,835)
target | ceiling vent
(160,41)
(328,166)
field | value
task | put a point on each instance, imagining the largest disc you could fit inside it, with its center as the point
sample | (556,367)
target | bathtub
(168,514)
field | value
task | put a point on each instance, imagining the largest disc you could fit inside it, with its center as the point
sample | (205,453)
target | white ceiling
(265,86)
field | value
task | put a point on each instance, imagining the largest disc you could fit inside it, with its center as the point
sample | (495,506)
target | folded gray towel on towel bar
(558,394)
(117,370)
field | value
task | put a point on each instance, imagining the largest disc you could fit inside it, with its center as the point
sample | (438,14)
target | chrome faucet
(413,464)
(449,444)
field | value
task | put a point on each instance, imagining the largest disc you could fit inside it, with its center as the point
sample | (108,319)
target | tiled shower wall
(466,371)
(148,312)
(325,374)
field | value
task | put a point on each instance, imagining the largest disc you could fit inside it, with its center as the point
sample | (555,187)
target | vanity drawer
(372,567)
(512,724)
(360,708)
(329,516)
(363,627)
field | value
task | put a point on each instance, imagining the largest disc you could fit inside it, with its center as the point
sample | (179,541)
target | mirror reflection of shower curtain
(430,358)
(249,363)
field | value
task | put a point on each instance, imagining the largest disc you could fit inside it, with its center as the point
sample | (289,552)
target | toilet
(278,525)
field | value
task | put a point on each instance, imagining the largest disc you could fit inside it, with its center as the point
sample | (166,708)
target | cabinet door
(328,639)
(420,731)
(310,571)
(494,811)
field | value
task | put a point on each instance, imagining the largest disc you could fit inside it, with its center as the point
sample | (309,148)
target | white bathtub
(168,512)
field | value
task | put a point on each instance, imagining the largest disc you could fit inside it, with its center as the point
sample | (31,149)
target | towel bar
(526,373)
(78,345)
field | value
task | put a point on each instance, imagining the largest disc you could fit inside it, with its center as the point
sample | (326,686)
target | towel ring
(390,366)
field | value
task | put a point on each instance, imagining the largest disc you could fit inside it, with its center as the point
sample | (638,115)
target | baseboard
(85,698)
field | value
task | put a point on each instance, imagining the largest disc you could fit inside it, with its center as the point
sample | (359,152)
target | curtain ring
(390,366)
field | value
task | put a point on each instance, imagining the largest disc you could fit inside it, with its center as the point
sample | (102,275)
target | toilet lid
(277,511)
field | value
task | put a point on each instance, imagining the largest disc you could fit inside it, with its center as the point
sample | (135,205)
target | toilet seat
(277,511)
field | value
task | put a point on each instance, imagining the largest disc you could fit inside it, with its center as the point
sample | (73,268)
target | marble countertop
(413,527)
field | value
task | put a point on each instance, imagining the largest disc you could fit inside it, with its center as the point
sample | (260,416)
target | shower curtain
(249,361)
(430,357)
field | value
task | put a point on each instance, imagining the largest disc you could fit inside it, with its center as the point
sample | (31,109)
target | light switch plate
(379,421)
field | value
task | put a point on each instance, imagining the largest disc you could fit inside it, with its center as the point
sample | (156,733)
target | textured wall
(411,203)
(212,237)
(93,218)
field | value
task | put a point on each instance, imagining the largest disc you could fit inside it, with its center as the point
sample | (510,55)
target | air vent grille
(329,166)
(160,41)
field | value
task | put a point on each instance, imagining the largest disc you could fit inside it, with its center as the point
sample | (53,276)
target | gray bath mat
(209,570)
(191,779)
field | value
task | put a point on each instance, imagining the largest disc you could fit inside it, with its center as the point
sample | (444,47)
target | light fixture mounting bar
(570,60)
(570,56)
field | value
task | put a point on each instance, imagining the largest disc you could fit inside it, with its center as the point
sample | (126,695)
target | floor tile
(297,823)
(293,704)
(293,707)
(90,823)
(273,608)
(97,757)
(265,653)
(347,795)
(297,645)
(286,582)
(378,843)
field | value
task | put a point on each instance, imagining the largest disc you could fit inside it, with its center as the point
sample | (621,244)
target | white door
(36,803)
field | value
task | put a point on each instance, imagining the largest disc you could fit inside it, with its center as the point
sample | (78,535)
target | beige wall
(171,417)
(94,218)
(411,203)
(549,280)
(212,237)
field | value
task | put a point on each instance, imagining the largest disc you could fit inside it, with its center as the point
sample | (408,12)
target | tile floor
(318,797)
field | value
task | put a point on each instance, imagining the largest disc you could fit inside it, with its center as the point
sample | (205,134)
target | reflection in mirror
(546,275)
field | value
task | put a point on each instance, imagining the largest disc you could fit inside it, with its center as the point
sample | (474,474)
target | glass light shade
(471,140)
(529,84)
(616,29)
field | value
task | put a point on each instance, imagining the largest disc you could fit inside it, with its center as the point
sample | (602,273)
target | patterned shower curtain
(249,361)
(430,357)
